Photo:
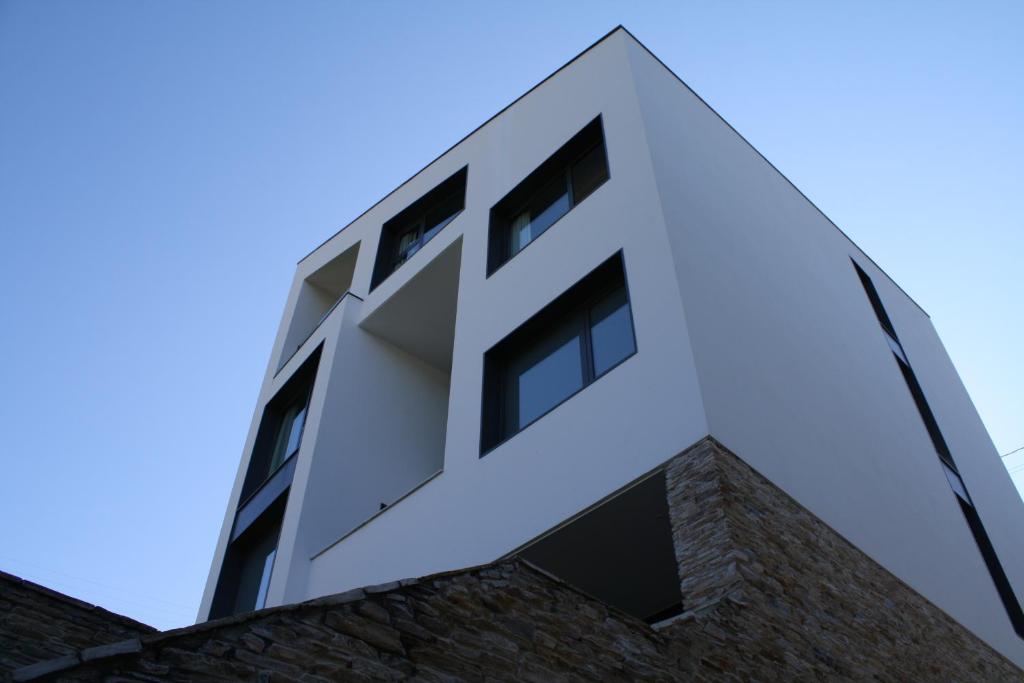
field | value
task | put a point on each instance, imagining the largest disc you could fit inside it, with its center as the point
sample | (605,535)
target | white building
(442,392)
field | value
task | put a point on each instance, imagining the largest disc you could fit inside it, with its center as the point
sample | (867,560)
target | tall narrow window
(405,234)
(264,584)
(280,433)
(564,180)
(949,468)
(573,341)
(245,575)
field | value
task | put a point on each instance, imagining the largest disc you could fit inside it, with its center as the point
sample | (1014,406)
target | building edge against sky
(368,458)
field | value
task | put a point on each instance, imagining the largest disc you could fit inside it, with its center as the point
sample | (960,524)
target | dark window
(280,432)
(248,564)
(252,547)
(544,374)
(876,302)
(926,413)
(949,468)
(574,340)
(406,233)
(995,567)
(564,180)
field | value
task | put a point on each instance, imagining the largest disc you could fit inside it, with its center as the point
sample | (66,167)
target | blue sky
(164,165)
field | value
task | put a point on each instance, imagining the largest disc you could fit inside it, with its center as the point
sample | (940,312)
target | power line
(1012,452)
(120,593)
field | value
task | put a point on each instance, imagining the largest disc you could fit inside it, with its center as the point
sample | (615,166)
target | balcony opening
(420,317)
(394,380)
(318,296)
(619,551)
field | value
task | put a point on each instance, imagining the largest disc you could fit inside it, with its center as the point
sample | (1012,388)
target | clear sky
(163,165)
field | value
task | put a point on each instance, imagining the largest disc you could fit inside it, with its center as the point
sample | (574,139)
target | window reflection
(611,331)
(550,381)
(569,344)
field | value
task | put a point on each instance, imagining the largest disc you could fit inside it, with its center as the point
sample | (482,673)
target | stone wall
(504,622)
(771,594)
(782,596)
(38,624)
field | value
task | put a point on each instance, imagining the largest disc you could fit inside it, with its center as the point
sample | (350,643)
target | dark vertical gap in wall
(988,553)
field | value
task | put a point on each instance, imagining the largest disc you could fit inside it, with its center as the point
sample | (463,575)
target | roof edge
(609,34)
(508,106)
(773,167)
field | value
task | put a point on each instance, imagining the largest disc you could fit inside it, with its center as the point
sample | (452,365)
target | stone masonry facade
(771,594)
(37,624)
(504,622)
(780,595)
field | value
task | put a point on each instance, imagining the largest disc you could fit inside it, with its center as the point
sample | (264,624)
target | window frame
(519,199)
(413,219)
(299,388)
(499,403)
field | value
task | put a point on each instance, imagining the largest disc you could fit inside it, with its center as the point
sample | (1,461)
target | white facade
(750,324)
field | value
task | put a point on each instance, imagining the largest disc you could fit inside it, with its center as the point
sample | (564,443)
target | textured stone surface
(504,622)
(772,594)
(38,624)
(781,596)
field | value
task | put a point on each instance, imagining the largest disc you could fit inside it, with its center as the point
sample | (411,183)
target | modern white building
(500,355)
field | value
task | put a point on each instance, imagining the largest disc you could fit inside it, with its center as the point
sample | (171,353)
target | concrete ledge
(118,648)
(39,669)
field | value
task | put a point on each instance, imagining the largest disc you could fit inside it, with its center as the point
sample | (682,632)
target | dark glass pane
(611,331)
(289,434)
(550,204)
(547,373)
(252,570)
(408,244)
(268,566)
(295,432)
(896,347)
(520,232)
(956,483)
(440,216)
(588,173)
(876,302)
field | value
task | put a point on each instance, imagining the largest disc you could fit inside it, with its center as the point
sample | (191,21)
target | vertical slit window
(949,468)
(931,425)
(876,302)
(995,567)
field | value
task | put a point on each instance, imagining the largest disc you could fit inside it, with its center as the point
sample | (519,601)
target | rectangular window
(564,180)
(405,234)
(573,341)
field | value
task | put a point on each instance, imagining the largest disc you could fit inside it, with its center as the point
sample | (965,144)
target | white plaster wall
(745,306)
(311,304)
(327,334)
(620,427)
(796,375)
(381,434)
